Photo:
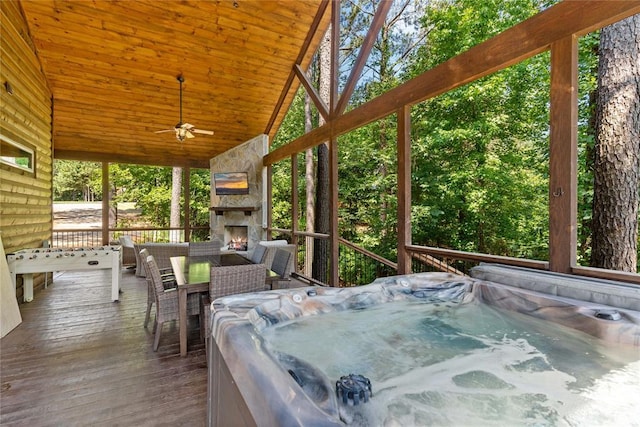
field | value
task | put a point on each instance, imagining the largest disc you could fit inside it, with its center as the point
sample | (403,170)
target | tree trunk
(617,147)
(322,247)
(176,191)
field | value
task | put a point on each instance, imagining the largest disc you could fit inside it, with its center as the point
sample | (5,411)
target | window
(16,155)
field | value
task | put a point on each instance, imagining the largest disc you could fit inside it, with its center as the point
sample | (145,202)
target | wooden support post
(563,163)
(106,196)
(333,203)
(294,202)
(186,188)
(404,189)
(269,205)
(334,277)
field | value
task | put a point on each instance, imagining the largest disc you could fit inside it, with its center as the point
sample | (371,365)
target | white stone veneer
(246,157)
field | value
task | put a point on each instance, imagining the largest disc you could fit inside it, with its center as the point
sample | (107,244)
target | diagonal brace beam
(363,55)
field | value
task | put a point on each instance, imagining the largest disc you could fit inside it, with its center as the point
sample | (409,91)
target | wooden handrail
(435,262)
(474,256)
(368,253)
(314,235)
(307,279)
(600,273)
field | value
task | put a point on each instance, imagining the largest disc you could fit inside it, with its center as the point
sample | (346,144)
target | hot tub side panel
(249,388)
(226,406)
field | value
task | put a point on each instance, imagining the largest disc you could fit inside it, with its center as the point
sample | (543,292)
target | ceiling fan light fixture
(181,134)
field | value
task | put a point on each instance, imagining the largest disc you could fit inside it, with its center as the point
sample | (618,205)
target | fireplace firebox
(236,237)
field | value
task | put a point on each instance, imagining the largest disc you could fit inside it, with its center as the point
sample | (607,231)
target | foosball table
(44,260)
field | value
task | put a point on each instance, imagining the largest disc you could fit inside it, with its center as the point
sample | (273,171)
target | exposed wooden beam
(522,41)
(129,159)
(563,155)
(307,140)
(312,92)
(363,55)
(303,51)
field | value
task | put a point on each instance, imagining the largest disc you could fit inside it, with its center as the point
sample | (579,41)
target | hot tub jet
(353,388)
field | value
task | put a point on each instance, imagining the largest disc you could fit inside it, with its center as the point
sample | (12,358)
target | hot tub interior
(434,351)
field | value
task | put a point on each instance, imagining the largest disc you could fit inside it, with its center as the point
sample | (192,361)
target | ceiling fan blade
(189,135)
(203,132)
(166,130)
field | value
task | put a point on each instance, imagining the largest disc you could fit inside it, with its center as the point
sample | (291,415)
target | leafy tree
(200,185)
(480,152)
(367,156)
(77,181)
(148,186)
(587,82)
(291,128)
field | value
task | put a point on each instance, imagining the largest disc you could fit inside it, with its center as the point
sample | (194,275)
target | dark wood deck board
(80,359)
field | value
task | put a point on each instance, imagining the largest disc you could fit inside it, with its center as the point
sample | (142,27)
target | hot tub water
(446,363)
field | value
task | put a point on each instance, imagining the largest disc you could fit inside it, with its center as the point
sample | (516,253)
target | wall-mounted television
(231,183)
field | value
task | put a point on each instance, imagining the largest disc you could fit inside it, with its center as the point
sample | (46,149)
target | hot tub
(429,349)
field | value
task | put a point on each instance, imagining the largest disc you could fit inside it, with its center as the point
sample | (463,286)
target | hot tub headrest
(599,291)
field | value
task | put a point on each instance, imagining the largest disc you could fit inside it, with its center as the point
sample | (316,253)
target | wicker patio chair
(230,280)
(258,254)
(168,281)
(282,266)
(166,301)
(128,254)
(209,248)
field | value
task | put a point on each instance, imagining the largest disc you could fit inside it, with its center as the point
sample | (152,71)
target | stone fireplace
(240,216)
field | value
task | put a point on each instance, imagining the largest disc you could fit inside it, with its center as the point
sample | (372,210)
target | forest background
(479,153)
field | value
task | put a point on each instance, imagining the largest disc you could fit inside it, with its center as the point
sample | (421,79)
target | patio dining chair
(168,280)
(166,300)
(230,280)
(128,254)
(281,265)
(258,254)
(208,248)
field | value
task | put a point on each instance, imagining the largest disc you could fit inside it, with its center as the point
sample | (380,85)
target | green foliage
(587,82)
(292,127)
(77,181)
(367,181)
(148,186)
(200,186)
(480,152)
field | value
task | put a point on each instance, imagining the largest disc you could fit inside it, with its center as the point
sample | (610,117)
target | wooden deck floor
(80,359)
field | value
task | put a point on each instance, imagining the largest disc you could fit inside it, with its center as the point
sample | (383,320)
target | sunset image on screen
(231,183)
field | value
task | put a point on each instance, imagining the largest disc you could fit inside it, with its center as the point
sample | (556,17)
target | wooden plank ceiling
(112,67)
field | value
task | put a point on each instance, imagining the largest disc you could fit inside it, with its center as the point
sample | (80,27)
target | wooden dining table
(193,274)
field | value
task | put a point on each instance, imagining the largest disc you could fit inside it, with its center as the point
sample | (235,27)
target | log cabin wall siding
(25,117)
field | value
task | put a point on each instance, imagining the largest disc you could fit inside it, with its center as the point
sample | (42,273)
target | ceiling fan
(184,130)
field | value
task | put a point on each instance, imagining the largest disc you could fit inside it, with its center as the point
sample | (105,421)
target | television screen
(231,183)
